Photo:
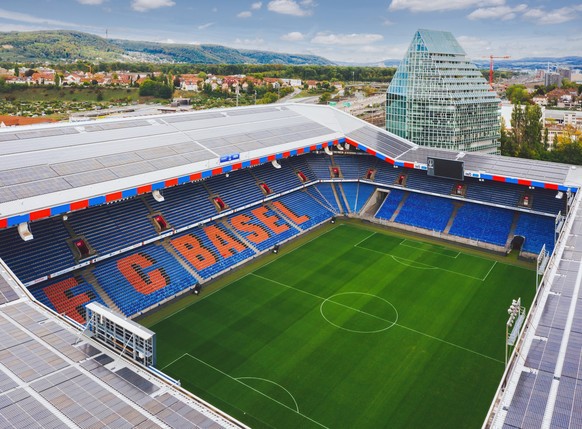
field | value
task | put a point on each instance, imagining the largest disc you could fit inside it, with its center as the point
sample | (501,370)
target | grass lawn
(353,329)
(72,94)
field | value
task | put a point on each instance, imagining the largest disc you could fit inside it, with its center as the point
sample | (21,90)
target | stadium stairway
(399,206)
(512,230)
(342,196)
(316,194)
(92,280)
(170,249)
(239,235)
(284,214)
(457,205)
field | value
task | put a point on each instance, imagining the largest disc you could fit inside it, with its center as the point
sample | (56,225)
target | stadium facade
(130,213)
(438,98)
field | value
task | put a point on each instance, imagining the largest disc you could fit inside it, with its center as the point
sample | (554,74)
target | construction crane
(491,57)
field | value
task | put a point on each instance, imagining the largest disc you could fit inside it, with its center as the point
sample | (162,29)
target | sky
(361,31)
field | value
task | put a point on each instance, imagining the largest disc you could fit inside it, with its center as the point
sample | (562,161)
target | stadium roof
(51,376)
(48,170)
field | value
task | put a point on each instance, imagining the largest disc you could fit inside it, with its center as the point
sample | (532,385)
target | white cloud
(294,36)
(503,13)
(438,5)
(556,16)
(31,19)
(346,39)
(205,26)
(257,43)
(91,2)
(145,5)
(256,5)
(291,7)
(244,14)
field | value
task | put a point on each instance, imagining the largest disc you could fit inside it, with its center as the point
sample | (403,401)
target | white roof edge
(120,320)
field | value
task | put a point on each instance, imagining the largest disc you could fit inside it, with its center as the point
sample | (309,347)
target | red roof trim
(78,205)
(196,176)
(144,189)
(171,182)
(112,197)
(40,214)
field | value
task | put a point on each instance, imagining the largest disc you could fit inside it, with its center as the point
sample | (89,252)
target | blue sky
(357,31)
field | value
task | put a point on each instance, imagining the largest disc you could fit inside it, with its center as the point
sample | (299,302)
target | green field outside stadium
(354,328)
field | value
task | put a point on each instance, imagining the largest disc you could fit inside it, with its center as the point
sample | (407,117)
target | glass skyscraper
(438,98)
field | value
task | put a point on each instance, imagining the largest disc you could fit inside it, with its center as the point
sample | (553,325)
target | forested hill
(60,46)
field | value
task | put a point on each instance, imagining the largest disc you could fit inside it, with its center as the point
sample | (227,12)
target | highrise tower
(439,98)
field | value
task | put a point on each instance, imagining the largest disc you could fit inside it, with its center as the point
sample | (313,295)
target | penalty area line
(404,243)
(239,380)
(422,266)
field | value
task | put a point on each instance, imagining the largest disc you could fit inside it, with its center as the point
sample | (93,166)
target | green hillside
(65,46)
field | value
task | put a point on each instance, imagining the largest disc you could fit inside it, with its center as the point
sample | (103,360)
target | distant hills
(517,64)
(69,46)
(65,46)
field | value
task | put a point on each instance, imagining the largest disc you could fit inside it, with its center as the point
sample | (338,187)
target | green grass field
(353,329)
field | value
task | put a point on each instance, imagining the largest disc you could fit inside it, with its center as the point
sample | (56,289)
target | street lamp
(516,317)
(255,96)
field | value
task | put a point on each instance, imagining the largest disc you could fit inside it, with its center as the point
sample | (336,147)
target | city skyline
(371,32)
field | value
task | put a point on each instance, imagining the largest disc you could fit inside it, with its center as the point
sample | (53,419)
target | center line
(380,318)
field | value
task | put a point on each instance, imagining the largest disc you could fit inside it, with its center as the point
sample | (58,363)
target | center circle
(373,314)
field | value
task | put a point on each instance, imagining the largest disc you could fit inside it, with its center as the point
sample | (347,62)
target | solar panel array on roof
(242,112)
(387,144)
(115,125)
(51,377)
(7,294)
(196,117)
(43,133)
(553,355)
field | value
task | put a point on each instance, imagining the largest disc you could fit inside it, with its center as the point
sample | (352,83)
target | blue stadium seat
(151,275)
(184,205)
(537,230)
(47,253)
(425,211)
(483,223)
(390,204)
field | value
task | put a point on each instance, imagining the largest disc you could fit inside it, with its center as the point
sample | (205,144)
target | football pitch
(352,329)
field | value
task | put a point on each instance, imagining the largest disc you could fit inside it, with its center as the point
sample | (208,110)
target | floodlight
(328,150)
(158,196)
(275,164)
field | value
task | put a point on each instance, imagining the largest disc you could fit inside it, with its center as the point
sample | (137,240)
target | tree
(532,132)
(177,81)
(325,97)
(517,94)
(505,140)
(155,89)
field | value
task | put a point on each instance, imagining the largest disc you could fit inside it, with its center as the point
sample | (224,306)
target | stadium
(284,266)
